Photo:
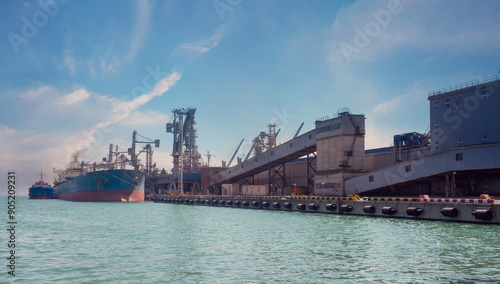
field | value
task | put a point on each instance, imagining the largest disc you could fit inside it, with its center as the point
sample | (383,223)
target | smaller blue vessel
(41,190)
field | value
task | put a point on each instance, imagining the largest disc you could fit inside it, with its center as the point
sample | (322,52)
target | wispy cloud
(202,46)
(373,31)
(70,63)
(403,103)
(145,119)
(108,57)
(34,94)
(119,112)
(51,142)
(140,29)
(74,98)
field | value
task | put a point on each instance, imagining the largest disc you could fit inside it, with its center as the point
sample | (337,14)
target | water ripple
(72,242)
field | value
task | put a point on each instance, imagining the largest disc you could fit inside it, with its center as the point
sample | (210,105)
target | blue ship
(112,185)
(41,190)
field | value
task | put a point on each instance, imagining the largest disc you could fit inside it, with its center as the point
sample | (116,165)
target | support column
(310,173)
(283,182)
(453,193)
(446,184)
(276,177)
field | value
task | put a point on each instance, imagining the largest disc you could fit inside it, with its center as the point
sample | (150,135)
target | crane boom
(298,131)
(230,161)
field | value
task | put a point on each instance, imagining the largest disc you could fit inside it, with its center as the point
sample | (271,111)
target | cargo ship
(80,183)
(41,190)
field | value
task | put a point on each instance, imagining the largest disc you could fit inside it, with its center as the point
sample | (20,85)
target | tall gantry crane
(185,151)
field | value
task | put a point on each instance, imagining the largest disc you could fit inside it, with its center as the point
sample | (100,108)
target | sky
(79,75)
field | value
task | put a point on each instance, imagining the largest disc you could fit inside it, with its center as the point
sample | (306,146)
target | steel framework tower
(185,151)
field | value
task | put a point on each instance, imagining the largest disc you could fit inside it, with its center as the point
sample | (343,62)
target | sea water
(85,242)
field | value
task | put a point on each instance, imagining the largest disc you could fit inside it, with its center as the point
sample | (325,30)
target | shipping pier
(481,211)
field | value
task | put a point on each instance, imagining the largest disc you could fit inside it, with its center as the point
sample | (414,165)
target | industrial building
(459,156)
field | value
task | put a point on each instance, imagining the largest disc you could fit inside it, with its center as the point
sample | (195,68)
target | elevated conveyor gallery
(484,157)
(286,152)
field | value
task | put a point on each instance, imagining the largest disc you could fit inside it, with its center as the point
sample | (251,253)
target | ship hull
(37,192)
(103,186)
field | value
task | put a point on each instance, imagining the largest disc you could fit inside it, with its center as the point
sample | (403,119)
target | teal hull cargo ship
(41,190)
(81,183)
(105,185)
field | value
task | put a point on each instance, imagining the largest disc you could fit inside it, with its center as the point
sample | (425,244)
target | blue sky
(78,75)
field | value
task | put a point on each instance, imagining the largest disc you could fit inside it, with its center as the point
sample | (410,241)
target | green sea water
(78,242)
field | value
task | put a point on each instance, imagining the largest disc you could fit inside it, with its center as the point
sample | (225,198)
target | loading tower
(186,157)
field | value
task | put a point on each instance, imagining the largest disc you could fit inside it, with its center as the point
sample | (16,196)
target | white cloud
(402,103)
(149,118)
(140,29)
(27,151)
(202,46)
(107,58)
(91,67)
(74,98)
(70,63)
(365,31)
(110,65)
(37,93)
(389,106)
(119,113)
(378,135)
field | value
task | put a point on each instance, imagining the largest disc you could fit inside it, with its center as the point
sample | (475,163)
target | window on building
(370,178)
(485,137)
(447,103)
(408,168)
(459,156)
(484,95)
(459,141)
(436,105)
(348,153)
(436,145)
(436,124)
(459,98)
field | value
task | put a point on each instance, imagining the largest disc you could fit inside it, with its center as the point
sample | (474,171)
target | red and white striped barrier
(455,200)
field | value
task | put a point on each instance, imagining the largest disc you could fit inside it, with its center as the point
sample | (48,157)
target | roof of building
(465,85)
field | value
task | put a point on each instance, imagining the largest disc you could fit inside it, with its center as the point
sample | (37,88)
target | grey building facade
(465,115)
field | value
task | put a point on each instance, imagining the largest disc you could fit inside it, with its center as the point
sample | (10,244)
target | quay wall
(470,211)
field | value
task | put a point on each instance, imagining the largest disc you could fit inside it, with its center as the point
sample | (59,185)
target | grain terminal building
(460,156)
